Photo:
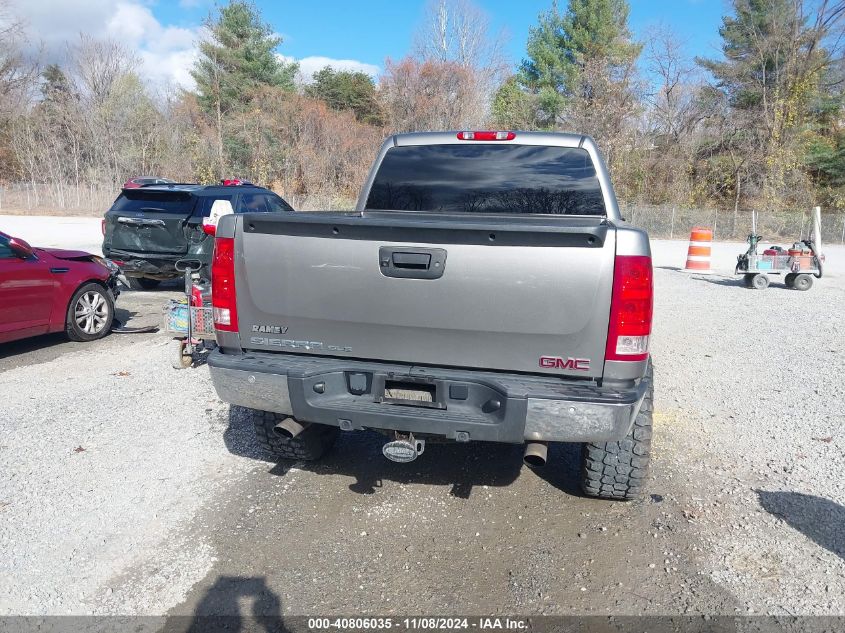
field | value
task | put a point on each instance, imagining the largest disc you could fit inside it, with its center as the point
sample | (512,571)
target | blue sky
(356,34)
(371,30)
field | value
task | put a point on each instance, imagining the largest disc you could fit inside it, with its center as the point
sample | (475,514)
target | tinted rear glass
(155,201)
(263,202)
(487,178)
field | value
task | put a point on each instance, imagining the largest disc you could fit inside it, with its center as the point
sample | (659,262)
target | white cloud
(166,53)
(171,67)
(132,24)
(309,65)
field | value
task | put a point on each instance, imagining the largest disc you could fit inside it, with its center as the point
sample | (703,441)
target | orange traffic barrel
(698,254)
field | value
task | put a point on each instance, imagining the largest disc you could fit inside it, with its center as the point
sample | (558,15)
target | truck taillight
(223,298)
(631,308)
(103,226)
(488,135)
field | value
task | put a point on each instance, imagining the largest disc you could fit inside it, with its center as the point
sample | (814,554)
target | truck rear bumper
(466,405)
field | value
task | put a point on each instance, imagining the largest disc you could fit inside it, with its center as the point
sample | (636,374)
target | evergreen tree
(512,107)
(237,58)
(759,43)
(561,45)
(776,77)
(236,61)
(345,90)
(824,151)
(56,87)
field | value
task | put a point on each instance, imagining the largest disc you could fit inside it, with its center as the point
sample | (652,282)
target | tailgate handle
(411,263)
(415,261)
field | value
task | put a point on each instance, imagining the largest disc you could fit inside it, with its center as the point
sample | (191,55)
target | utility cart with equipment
(799,264)
(190,318)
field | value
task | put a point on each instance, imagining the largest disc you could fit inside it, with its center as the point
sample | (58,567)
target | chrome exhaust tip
(289,428)
(536,454)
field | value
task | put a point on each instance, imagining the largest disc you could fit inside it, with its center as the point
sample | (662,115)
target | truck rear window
(160,201)
(487,178)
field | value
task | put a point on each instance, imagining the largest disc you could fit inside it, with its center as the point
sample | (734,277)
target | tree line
(760,127)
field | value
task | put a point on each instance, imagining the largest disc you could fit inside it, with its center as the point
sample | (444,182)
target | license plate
(413,395)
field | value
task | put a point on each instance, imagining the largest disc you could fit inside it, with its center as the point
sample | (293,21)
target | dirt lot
(127,488)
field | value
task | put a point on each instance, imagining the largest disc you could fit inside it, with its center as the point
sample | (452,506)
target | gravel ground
(128,488)
(752,397)
(105,453)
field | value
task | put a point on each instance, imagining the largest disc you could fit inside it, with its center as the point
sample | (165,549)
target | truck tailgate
(489,292)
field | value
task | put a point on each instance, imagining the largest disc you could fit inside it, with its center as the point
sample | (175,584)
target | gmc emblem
(572,364)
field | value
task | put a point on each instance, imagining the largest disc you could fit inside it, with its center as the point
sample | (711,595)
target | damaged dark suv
(148,229)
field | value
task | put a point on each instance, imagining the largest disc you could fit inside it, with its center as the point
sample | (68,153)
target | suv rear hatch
(149,221)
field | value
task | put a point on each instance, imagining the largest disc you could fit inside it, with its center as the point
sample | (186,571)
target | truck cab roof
(559,139)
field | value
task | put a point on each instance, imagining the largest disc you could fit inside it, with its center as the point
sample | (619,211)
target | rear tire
(90,313)
(789,280)
(309,445)
(803,282)
(619,470)
(179,359)
(760,282)
(142,283)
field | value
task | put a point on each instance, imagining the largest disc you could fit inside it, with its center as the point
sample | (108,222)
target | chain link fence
(45,199)
(665,222)
(668,222)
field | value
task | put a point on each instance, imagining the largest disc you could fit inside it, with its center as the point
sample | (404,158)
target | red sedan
(53,290)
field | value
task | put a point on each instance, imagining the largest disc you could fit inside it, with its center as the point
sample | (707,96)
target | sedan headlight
(113,268)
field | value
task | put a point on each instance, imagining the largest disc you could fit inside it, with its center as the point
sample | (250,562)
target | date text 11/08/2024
(418,623)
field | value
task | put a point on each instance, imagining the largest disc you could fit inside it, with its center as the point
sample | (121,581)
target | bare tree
(673,114)
(429,95)
(607,106)
(97,65)
(674,108)
(458,33)
(93,125)
(17,74)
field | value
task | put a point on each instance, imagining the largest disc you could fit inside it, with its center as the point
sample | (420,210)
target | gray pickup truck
(485,289)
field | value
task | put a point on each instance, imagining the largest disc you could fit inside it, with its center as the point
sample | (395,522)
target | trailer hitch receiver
(403,449)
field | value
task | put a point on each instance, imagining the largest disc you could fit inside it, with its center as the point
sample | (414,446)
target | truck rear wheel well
(309,445)
(619,470)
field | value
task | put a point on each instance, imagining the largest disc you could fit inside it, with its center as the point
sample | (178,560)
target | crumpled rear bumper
(153,266)
(469,405)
